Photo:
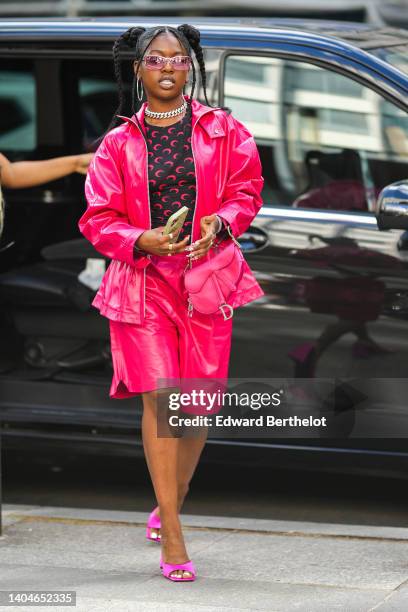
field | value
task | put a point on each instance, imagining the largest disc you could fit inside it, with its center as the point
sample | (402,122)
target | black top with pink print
(172,179)
(171,171)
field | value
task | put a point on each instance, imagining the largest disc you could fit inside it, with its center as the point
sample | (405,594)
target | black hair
(138,39)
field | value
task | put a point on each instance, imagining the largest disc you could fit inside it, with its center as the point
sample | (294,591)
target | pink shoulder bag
(210,283)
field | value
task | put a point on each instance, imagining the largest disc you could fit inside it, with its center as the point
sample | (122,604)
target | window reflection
(325,140)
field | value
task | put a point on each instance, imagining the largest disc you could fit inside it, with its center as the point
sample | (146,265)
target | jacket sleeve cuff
(128,250)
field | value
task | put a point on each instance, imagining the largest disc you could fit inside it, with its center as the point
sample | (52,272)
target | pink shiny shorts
(169,344)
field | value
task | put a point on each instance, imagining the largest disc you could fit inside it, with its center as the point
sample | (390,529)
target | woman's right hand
(153,241)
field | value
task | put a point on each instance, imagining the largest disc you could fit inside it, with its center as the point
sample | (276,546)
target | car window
(17,106)
(98,101)
(325,141)
(94,88)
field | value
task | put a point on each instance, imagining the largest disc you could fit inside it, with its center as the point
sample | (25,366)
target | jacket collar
(213,127)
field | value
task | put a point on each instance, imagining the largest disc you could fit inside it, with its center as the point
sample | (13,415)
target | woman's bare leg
(166,458)
(189,451)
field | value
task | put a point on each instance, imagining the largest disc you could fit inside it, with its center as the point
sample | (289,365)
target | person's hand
(83,162)
(208,226)
(155,242)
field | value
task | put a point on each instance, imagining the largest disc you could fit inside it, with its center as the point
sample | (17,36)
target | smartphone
(175,223)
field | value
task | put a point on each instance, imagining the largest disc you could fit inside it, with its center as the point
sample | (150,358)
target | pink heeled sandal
(168,568)
(153,523)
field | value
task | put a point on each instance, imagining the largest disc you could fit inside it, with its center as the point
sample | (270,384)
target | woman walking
(173,152)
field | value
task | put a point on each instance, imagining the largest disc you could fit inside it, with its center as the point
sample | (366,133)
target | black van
(327,104)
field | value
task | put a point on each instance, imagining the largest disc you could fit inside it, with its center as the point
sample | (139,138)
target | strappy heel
(168,568)
(153,523)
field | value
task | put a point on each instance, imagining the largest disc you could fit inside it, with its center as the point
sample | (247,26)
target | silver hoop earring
(139,97)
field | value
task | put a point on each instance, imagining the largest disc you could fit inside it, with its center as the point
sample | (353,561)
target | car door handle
(253,239)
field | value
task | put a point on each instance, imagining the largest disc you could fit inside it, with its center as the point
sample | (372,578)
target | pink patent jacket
(228,182)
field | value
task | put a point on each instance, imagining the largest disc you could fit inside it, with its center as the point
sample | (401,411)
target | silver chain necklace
(166,114)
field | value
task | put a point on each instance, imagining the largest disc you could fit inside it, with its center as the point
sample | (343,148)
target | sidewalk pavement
(242,564)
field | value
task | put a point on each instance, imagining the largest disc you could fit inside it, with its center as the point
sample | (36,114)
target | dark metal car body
(327,104)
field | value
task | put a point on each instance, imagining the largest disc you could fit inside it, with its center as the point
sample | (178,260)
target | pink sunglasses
(157,62)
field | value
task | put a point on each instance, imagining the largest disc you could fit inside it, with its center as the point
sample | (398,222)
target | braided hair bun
(131,36)
(191,33)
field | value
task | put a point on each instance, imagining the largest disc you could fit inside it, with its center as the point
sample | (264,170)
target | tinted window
(17,106)
(98,101)
(325,141)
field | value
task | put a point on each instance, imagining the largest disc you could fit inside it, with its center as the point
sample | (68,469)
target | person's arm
(242,194)
(19,175)
(105,223)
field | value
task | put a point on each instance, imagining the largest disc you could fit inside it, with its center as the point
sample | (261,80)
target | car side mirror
(392,206)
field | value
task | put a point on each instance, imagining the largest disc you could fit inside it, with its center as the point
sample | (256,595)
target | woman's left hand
(208,225)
